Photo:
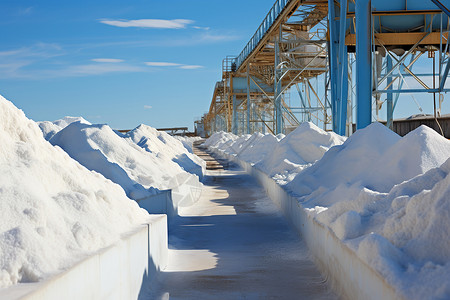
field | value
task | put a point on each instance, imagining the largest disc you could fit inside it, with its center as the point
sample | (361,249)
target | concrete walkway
(233,244)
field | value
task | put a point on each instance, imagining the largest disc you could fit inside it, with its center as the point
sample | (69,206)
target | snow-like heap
(375,158)
(49,129)
(167,148)
(388,199)
(53,211)
(258,147)
(298,150)
(99,148)
(188,141)
(220,140)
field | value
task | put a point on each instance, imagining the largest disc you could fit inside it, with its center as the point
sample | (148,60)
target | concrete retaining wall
(122,271)
(186,191)
(161,203)
(350,277)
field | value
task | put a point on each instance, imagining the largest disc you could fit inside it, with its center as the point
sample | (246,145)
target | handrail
(265,26)
(442,7)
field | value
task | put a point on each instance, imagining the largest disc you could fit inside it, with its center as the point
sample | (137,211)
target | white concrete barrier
(122,271)
(161,203)
(350,277)
(186,190)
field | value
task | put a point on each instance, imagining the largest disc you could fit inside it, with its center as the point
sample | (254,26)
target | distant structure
(314,46)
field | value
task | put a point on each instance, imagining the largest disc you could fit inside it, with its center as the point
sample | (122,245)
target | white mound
(167,148)
(119,159)
(300,148)
(49,129)
(53,211)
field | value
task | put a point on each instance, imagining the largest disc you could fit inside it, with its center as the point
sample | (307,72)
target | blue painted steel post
(343,70)
(333,53)
(344,92)
(234,125)
(389,96)
(363,63)
(248,99)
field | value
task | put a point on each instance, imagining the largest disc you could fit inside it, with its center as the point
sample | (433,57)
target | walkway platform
(234,244)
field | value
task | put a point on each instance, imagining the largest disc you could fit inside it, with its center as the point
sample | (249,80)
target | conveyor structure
(314,46)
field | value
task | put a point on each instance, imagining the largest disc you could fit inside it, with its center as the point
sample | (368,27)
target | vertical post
(277,90)
(332,56)
(263,117)
(389,96)
(343,60)
(248,99)
(349,130)
(364,63)
(234,125)
(343,70)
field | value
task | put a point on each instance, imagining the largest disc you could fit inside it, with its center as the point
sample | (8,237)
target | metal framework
(314,46)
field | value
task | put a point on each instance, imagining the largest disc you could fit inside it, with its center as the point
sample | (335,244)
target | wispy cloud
(99,69)
(162,64)
(191,67)
(25,11)
(107,60)
(149,23)
(171,64)
(148,107)
(201,27)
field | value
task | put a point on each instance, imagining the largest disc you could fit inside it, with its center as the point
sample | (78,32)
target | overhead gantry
(382,35)
(288,48)
(314,45)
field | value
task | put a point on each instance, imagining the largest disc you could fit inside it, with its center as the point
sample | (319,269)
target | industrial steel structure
(314,46)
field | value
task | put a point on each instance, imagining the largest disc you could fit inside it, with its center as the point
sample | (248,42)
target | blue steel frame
(265,26)
(364,63)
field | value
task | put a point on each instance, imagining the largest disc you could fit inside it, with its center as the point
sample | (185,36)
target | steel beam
(389,96)
(364,63)
(235,124)
(248,100)
(332,54)
(343,72)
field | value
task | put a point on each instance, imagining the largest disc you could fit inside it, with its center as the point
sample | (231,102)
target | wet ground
(234,244)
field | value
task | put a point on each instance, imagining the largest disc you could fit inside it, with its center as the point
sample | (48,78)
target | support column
(248,100)
(343,60)
(332,56)
(343,70)
(234,125)
(389,96)
(364,63)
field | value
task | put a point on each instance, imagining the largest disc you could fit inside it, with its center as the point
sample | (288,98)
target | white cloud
(149,23)
(107,60)
(148,107)
(98,69)
(201,27)
(170,64)
(191,67)
(162,64)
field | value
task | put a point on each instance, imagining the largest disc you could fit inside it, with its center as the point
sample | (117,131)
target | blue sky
(128,62)
(120,62)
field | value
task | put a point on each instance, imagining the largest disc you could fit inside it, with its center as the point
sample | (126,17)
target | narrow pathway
(234,244)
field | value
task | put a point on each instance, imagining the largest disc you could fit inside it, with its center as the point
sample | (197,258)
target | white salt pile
(53,211)
(49,129)
(386,197)
(119,159)
(260,147)
(375,158)
(167,148)
(297,151)
(188,141)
